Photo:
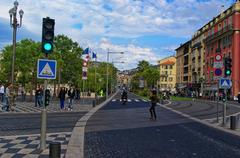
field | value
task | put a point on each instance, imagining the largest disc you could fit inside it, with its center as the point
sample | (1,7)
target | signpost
(46,69)
(225,84)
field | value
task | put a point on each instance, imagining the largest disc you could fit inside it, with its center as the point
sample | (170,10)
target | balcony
(220,32)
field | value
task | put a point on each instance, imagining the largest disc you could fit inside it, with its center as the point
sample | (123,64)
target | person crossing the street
(154,100)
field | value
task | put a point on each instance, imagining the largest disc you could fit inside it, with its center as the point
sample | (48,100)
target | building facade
(196,59)
(183,67)
(223,38)
(167,67)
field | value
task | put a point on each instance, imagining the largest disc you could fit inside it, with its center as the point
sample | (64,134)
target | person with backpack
(154,100)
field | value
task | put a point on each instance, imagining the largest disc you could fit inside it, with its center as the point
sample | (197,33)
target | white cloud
(124,19)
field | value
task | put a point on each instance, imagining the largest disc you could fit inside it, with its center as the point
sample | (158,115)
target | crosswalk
(130,100)
(26,107)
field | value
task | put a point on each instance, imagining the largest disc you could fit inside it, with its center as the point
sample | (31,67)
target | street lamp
(107,68)
(114,81)
(14,24)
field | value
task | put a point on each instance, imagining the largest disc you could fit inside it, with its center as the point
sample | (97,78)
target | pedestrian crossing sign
(225,83)
(46,69)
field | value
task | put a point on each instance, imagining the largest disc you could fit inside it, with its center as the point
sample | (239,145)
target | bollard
(233,122)
(94,103)
(54,150)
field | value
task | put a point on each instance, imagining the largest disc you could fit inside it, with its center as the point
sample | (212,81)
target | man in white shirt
(1,92)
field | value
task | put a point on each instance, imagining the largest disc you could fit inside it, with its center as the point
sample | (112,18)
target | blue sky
(143,29)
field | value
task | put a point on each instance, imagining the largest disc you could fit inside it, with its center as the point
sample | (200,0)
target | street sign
(218,64)
(218,72)
(46,69)
(218,57)
(225,83)
(84,75)
(84,69)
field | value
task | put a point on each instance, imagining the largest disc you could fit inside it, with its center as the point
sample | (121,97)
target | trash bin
(54,150)
(233,122)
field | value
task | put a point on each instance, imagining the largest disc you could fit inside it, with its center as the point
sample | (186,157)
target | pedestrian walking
(1,92)
(71,94)
(61,97)
(39,96)
(7,97)
(154,100)
(23,94)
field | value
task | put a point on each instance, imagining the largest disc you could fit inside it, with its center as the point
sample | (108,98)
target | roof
(168,63)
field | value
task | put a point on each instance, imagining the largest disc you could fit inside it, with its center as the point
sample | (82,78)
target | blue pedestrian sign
(46,69)
(225,83)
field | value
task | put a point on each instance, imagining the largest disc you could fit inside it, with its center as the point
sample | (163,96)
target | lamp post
(107,68)
(14,24)
(115,62)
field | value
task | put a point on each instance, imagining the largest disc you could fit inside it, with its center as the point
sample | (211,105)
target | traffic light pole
(225,107)
(44,118)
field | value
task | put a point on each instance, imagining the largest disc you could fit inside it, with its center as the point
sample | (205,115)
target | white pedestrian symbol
(46,71)
(225,84)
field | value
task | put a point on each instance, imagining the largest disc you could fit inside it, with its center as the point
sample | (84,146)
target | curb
(75,146)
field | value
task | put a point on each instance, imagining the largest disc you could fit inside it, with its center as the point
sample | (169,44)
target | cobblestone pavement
(125,131)
(28,146)
(29,107)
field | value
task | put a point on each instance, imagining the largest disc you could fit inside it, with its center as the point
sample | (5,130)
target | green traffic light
(228,72)
(47,46)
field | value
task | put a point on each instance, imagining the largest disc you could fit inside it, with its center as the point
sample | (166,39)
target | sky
(143,29)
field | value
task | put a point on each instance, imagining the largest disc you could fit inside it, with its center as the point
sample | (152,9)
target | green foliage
(69,64)
(148,73)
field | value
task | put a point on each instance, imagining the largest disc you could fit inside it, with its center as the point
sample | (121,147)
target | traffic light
(47,97)
(228,66)
(47,35)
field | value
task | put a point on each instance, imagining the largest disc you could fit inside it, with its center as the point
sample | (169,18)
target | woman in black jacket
(154,100)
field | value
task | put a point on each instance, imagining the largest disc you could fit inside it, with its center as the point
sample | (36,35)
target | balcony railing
(216,34)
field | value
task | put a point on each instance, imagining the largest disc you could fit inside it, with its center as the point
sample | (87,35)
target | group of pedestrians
(70,94)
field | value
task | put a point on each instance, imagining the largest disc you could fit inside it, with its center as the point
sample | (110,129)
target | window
(225,23)
(219,27)
(170,66)
(211,62)
(170,72)
(229,40)
(170,79)
(166,67)
(230,20)
(165,79)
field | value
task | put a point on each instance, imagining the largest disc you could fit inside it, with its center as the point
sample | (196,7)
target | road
(125,131)
(26,124)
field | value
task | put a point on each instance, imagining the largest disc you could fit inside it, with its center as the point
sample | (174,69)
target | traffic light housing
(228,66)
(47,35)
(47,97)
